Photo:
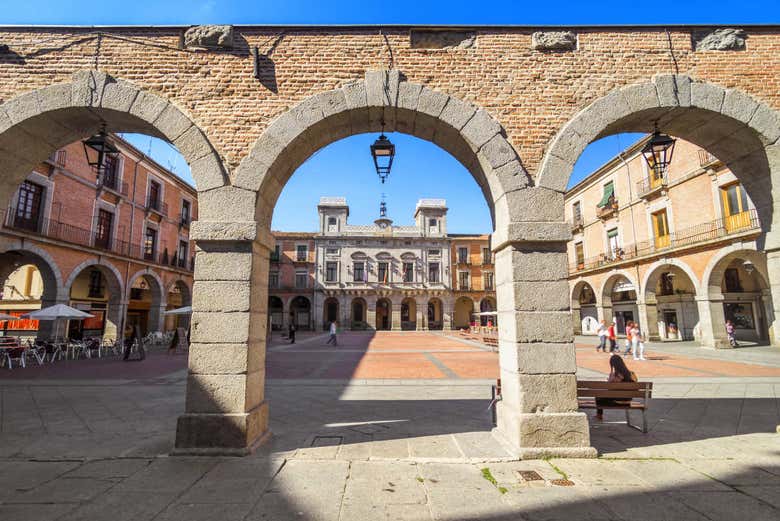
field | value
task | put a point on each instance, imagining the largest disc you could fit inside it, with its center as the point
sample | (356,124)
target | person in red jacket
(612,338)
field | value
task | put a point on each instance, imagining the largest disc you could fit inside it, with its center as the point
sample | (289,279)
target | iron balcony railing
(705,158)
(155,205)
(608,210)
(704,232)
(55,229)
(650,185)
(577,222)
(111,182)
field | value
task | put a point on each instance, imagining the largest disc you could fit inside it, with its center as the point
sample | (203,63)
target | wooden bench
(491,341)
(636,394)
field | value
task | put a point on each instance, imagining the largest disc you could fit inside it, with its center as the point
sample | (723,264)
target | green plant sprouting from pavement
(488,476)
(557,469)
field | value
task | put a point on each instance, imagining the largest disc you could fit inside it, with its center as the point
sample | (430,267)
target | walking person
(332,338)
(618,372)
(602,332)
(291,332)
(636,342)
(612,338)
(629,328)
(730,330)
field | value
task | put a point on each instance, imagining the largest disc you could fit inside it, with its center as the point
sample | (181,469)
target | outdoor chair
(14,353)
(111,346)
(38,351)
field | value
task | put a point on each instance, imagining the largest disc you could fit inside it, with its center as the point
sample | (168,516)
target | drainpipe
(639,292)
(123,318)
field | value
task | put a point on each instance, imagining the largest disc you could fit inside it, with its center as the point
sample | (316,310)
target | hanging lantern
(100,144)
(749,267)
(383,152)
(658,153)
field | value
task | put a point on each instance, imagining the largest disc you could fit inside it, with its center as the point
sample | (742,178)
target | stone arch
(464,130)
(358,313)
(464,307)
(713,272)
(184,289)
(38,122)
(583,320)
(25,253)
(605,292)
(670,316)
(158,294)
(736,128)
(115,291)
(408,314)
(653,273)
(577,290)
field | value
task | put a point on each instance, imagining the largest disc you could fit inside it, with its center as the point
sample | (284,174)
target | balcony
(705,158)
(112,184)
(609,210)
(156,206)
(60,231)
(184,221)
(577,224)
(652,186)
(702,233)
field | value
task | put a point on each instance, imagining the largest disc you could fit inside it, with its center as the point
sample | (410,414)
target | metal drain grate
(326,441)
(562,482)
(529,475)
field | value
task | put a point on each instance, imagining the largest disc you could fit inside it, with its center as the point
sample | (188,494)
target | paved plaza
(389,426)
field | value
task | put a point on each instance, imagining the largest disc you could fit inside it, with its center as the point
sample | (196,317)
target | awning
(609,191)
(622,286)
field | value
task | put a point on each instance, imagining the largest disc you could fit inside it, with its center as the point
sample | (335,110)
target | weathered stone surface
(221,295)
(480,129)
(533,296)
(514,265)
(723,39)
(641,96)
(537,358)
(409,95)
(535,327)
(539,393)
(197,433)
(223,231)
(148,106)
(766,122)
(23,107)
(538,232)
(674,90)
(87,87)
(118,95)
(534,204)
(706,96)
(738,105)
(210,37)
(193,144)
(457,113)
(55,97)
(332,102)
(225,358)
(228,202)
(553,41)
(207,172)
(230,328)
(497,152)
(431,102)
(221,393)
(230,264)
(555,172)
(442,39)
(555,433)
(382,87)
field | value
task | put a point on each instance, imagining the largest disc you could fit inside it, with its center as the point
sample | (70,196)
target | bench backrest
(597,389)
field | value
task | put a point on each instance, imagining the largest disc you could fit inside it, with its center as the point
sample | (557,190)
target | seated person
(618,372)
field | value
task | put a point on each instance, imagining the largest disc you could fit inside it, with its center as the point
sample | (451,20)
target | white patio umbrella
(186,310)
(58,312)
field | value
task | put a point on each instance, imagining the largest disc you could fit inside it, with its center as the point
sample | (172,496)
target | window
(383,274)
(332,227)
(153,201)
(661,229)
(667,284)
(613,246)
(433,272)
(735,207)
(579,254)
(182,253)
(487,258)
(731,278)
(273,279)
(576,212)
(301,279)
(408,272)
(463,255)
(432,223)
(463,280)
(331,271)
(301,253)
(111,172)
(185,212)
(331,251)
(487,279)
(358,273)
(28,206)
(105,223)
(95,287)
(60,157)
(434,253)
(150,243)
(608,198)
(276,254)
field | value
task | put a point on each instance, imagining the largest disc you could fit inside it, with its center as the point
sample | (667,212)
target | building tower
(431,217)
(333,215)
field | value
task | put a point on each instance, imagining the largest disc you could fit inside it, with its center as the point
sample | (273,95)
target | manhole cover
(530,475)
(562,482)
(326,441)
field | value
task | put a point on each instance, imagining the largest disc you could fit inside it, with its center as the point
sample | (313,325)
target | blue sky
(344,168)
(173,12)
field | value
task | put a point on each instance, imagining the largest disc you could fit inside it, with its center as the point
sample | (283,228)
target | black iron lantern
(104,148)
(658,153)
(383,152)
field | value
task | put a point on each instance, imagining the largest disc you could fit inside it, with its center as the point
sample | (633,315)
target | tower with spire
(384,222)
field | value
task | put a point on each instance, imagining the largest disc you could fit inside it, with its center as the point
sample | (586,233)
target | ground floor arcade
(689,296)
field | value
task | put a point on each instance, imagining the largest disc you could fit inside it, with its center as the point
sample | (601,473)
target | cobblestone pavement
(373,448)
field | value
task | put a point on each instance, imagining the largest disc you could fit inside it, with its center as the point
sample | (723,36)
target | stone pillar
(773,315)
(538,413)
(371,313)
(447,312)
(421,312)
(712,322)
(648,319)
(395,315)
(225,411)
(604,312)
(576,320)
(156,317)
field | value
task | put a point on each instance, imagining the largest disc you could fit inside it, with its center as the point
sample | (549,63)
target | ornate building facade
(676,252)
(116,245)
(380,276)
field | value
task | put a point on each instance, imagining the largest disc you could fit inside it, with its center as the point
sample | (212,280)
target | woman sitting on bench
(618,372)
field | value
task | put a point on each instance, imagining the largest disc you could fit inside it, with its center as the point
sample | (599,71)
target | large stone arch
(38,122)
(538,413)
(604,295)
(653,272)
(687,322)
(18,253)
(738,129)
(576,306)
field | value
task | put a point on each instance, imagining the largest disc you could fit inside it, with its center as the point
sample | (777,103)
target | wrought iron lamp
(99,143)
(658,152)
(383,152)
